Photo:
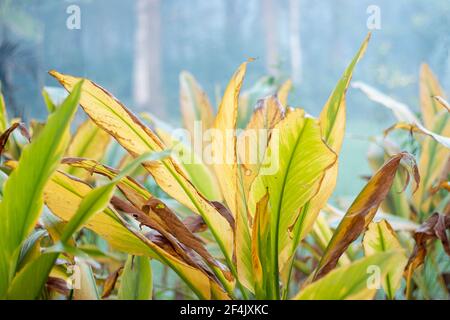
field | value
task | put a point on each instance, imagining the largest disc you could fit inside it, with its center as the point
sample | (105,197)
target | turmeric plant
(230,214)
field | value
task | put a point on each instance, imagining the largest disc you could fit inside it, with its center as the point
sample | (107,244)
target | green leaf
(22,195)
(51,107)
(136,282)
(353,281)
(29,281)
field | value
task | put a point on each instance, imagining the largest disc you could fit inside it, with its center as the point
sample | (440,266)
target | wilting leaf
(5,135)
(380,238)
(110,282)
(110,115)
(22,194)
(90,142)
(434,228)
(352,281)
(361,212)
(397,223)
(438,127)
(396,203)
(58,285)
(98,199)
(195,105)
(136,282)
(195,224)
(172,224)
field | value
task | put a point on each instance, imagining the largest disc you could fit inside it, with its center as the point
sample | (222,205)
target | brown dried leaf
(362,211)
(172,224)
(131,189)
(172,235)
(59,285)
(195,224)
(5,135)
(110,283)
(434,228)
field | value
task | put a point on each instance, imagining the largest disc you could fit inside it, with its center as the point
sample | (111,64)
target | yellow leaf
(224,159)
(223,140)
(112,116)
(63,194)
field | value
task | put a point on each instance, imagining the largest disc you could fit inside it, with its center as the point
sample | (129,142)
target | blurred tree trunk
(294,41)
(147,89)
(270,25)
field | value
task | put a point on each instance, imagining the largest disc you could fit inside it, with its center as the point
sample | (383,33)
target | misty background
(137,48)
